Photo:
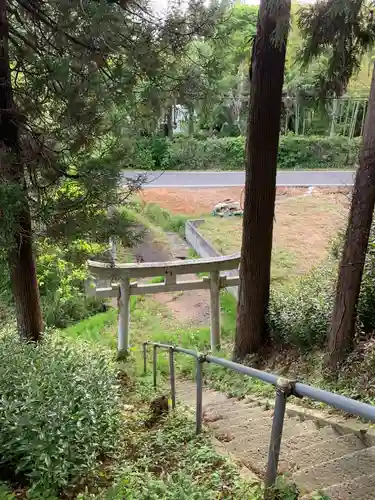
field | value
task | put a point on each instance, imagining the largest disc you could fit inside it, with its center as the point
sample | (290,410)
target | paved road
(229,179)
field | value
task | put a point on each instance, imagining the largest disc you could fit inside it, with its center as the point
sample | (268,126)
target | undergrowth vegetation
(62,271)
(170,462)
(165,219)
(59,412)
(73,425)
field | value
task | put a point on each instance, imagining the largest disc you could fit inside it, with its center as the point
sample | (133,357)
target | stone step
(209,397)
(325,451)
(337,471)
(317,457)
(217,406)
(361,488)
(293,448)
(251,444)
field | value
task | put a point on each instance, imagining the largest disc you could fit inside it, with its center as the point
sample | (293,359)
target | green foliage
(165,219)
(171,462)
(344,31)
(153,150)
(61,276)
(314,152)
(5,493)
(61,270)
(212,154)
(299,312)
(227,153)
(59,410)
(366,305)
(194,470)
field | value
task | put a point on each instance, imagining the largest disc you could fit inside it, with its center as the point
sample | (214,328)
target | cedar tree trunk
(342,329)
(20,258)
(267,76)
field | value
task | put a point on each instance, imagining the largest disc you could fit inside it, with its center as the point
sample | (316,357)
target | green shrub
(151,152)
(315,152)
(61,275)
(173,463)
(299,312)
(59,410)
(227,153)
(366,305)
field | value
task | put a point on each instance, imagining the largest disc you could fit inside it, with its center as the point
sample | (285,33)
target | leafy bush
(299,313)
(315,152)
(227,153)
(59,410)
(61,276)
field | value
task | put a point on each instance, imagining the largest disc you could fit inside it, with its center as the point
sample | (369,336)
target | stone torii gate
(124,279)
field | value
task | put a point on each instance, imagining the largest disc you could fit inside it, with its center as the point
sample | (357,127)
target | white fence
(125,279)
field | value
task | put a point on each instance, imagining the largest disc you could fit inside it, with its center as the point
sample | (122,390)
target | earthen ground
(200,201)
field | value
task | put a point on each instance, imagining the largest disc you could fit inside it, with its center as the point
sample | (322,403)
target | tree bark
(342,328)
(20,257)
(267,76)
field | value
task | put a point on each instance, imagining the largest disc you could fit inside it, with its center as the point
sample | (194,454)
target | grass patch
(97,329)
(165,219)
(153,321)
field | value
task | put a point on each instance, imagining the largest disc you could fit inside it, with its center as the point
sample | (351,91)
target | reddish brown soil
(200,201)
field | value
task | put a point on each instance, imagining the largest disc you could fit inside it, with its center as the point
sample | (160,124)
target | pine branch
(44,18)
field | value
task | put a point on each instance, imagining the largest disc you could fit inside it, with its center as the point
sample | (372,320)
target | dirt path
(190,307)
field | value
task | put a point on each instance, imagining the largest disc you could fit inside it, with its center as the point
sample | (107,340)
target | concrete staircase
(319,457)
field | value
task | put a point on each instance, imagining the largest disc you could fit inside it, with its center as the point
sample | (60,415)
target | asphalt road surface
(207,179)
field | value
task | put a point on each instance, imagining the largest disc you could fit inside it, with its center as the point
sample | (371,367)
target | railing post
(199,406)
(144,358)
(283,390)
(123,317)
(154,361)
(215,309)
(172,377)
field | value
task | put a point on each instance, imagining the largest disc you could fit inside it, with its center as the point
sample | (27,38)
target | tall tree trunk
(260,185)
(20,258)
(342,327)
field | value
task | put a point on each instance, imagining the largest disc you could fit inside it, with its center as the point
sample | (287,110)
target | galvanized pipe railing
(284,389)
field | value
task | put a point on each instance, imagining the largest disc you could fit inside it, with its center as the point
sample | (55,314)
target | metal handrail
(284,389)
